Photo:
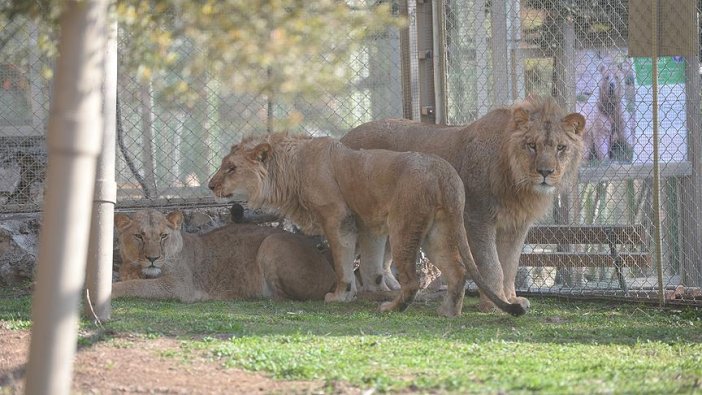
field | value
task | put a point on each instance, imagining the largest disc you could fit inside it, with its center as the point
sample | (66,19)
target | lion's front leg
(372,265)
(509,248)
(144,288)
(342,241)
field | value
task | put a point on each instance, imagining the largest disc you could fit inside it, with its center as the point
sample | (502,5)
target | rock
(18,250)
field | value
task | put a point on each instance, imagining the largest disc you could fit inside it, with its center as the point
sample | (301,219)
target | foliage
(597,19)
(559,347)
(274,47)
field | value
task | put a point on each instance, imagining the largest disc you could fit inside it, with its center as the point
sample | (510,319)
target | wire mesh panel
(23,116)
(169,145)
(601,236)
(577,51)
(168,150)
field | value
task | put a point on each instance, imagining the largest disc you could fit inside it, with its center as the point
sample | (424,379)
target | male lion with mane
(363,196)
(512,162)
(235,261)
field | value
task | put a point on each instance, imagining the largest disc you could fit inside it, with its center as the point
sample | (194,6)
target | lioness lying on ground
(233,262)
(349,195)
(512,161)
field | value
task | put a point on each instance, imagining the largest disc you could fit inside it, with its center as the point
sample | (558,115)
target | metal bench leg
(618,265)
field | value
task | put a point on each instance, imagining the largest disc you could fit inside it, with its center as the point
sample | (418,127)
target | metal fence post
(439,44)
(408,53)
(691,204)
(500,58)
(656,167)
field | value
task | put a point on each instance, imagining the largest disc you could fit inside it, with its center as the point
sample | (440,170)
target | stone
(18,250)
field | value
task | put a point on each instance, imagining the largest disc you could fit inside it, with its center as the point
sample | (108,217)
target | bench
(614,236)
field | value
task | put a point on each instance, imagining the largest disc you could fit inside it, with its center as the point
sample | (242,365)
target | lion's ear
(260,152)
(175,218)
(122,221)
(520,116)
(576,121)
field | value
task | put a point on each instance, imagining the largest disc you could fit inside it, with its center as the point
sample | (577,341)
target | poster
(614,94)
(672,120)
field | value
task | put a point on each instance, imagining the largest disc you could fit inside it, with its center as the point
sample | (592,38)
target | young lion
(512,162)
(232,262)
(361,195)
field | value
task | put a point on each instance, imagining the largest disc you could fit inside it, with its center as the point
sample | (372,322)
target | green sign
(671,70)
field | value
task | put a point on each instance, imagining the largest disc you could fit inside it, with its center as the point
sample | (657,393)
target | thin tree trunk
(147,139)
(99,271)
(73,139)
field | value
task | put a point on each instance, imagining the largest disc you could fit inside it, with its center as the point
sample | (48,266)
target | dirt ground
(133,365)
(130,364)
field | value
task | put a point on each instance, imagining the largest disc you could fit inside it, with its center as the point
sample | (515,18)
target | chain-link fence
(600,238)
(168,148)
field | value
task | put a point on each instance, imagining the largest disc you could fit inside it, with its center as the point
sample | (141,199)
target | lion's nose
(211,185)
(152,259)
(545,172)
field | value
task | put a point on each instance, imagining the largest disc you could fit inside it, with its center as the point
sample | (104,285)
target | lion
(512,162)
(236,261)
(349,196)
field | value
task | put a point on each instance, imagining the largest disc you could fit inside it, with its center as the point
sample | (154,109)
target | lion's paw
(446,310)
(375,288)
(524,302)
(391,282)
(486,306)
(339,297)
(387,306)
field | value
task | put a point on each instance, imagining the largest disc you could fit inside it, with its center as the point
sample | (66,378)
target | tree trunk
(99,272)
(147,139)
(74,136)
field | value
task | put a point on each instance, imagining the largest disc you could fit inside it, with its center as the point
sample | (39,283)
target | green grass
(559,347)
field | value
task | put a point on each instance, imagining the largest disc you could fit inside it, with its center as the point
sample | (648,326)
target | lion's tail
(514,309)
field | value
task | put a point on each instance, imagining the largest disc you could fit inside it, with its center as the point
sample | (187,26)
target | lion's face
(149,239)
(544,149)
(242,172)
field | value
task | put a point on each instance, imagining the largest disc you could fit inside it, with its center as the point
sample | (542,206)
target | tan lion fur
(235,261)
(499,158)
(361,196)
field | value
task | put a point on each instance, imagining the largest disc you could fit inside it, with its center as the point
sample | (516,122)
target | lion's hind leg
(405,238)
(293,268)
(390,280)
(442,250)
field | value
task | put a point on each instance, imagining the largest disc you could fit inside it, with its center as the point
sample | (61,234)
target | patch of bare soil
(134,365)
